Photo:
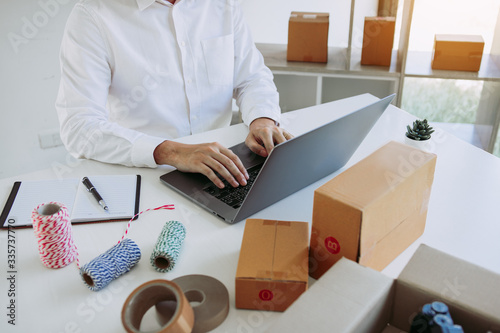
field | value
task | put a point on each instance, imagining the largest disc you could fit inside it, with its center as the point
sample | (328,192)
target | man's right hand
(205,158)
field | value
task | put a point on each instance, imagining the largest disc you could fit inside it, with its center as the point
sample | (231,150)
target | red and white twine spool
(53,231)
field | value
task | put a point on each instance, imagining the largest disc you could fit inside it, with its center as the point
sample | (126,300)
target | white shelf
(303,84)
(275,59)
(357,68)
(418,64)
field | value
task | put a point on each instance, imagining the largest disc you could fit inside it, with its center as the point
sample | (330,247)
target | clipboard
(121,193)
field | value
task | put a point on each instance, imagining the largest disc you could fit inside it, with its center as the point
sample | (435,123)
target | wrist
(264,121)
(164,153)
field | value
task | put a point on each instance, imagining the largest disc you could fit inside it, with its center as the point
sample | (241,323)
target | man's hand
(264,134)
(206,158)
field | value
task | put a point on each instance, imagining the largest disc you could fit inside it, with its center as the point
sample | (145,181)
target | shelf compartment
(418,64)
(296,91)
(335,88)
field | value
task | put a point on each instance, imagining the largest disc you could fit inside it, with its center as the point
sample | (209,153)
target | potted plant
(419,134)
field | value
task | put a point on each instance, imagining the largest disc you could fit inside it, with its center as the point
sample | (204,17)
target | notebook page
(119,193)
(33,193)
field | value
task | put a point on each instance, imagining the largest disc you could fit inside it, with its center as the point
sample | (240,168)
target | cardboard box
(272,267)
(387,8)
(378,39)
(353,298)
(374,210)
(457,52)
(308,37)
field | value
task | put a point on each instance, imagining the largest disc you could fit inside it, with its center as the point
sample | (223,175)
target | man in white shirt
(137,73)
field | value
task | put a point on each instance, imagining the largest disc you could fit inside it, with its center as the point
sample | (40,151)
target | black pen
(94,192)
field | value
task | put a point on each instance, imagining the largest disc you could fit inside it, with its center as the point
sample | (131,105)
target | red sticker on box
(332,245)
(266,295)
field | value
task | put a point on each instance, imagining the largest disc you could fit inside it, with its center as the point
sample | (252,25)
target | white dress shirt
(137,72)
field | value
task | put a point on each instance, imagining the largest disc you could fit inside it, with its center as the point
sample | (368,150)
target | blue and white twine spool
(168,246)
(113,263)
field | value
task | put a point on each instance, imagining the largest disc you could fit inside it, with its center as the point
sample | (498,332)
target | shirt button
(189,81)
(183,43)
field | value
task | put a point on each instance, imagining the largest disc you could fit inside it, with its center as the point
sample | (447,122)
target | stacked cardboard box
(378,39)
(308,37)
(272,268)
(458,52)
(374,210)
(353,298)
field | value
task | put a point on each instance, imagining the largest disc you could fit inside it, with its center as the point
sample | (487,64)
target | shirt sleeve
(255,92)
(86,72)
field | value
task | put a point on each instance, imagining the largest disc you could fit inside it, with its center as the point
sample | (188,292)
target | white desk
(462,220)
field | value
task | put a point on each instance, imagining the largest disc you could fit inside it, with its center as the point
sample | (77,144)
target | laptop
(291,166)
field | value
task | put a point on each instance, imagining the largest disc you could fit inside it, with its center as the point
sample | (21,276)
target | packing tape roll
(152,293)
(210,293)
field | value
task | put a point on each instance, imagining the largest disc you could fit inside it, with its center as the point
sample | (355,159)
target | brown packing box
(374,210)
(378,39)
(457,52)
(308,37)
(353,298)
(387,8)
(272,267)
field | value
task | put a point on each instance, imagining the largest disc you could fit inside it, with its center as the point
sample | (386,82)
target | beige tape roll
(209,299)
(151,293)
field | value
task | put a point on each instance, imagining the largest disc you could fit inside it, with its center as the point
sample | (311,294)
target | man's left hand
(264,135)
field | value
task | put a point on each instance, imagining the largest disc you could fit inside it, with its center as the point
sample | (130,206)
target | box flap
(376,174)
(380,18)
(269,250)
(310,17)
(459,38)
(258,259)
(289,263)
(347,298)
(470,291)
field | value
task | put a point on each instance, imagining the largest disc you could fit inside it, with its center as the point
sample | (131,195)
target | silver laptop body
(291,166)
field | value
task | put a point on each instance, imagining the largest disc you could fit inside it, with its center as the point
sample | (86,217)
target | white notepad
(121,193)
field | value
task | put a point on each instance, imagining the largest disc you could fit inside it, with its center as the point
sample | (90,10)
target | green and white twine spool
(168,246)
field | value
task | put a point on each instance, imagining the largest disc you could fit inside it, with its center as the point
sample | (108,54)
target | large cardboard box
(457,52)
(378,39)
(308,37)
(353,298)
(272,268)
(374,210)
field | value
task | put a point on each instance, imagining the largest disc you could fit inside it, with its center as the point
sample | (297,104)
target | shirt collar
(143,4)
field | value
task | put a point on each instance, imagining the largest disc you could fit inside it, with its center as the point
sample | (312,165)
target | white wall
(268,19)
(31,31)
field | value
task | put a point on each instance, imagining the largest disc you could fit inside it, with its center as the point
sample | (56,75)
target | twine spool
(53,231)
(168,246)
(113,263)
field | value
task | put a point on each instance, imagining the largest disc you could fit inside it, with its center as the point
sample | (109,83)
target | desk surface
(462,220)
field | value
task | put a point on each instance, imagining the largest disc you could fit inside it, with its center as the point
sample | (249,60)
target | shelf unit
(303,84)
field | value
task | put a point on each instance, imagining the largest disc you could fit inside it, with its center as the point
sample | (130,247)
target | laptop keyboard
(234,196)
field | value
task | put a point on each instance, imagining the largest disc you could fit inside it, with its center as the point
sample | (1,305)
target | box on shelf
(308,37)
(353,298)
(378,39)
(457,52)
(372,211)
(387,8)
(272,268)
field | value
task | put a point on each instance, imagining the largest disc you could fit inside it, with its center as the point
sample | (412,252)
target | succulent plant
(421,130)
